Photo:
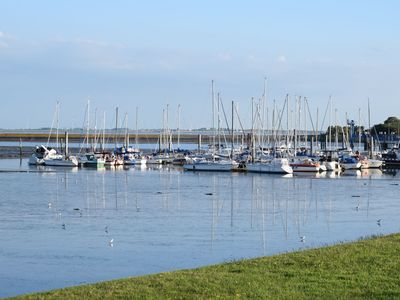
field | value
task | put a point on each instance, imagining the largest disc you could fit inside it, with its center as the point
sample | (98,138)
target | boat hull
(269,168)
(332,165)
(371,164)
(305,168)
(61,162)
(210,166)
(351,166)
(274,166)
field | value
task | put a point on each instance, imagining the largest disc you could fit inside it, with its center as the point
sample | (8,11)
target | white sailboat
(350,163)
(47,156)
(332,165)
(54,159)
(50,157)
(90,158)
(273,166)
(369,163)
(216,163)
(37,157)
(209,165)
(306,164)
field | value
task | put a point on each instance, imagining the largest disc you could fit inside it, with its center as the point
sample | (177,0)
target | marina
(253,148)
(87,225)
(102,206)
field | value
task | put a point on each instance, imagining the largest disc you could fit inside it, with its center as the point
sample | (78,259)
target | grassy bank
(367,269)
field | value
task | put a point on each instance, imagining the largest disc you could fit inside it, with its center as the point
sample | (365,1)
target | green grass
(366,269)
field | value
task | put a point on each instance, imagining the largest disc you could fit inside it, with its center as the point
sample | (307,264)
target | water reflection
(161,218)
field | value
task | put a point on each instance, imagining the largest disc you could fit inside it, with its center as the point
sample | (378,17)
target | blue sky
(128,54)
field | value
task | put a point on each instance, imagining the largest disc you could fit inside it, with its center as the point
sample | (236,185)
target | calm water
(165,219)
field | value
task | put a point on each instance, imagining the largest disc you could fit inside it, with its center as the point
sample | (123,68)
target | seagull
(63,226)
(111,243)
(49,204)
(106,229)
(303,238)
(379,222)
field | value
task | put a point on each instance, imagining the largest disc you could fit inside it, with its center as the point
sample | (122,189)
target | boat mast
(371,149)
(273,126)
(95,129)
(137,128)
(66,144)
(218,123)
(359,128)
(232,131)
(57,121)
(116,127)
(305,123)
(87,125)
(253,148)
(316,131)
(126,132)
(330,122)
(336,131)
(265,112)
(296,125)
(104,131)
(287,125)
(178,129)
(213,117)
(167,132)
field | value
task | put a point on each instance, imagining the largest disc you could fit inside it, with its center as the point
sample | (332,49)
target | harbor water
(62,227)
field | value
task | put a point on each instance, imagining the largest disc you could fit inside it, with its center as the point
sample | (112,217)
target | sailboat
(273,166)
(349,162)
(44,155)
(217,163)
(209,165)
(90,158)
(37,157)
(50,157)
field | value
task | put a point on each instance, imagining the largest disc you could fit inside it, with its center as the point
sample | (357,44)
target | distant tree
(389,126)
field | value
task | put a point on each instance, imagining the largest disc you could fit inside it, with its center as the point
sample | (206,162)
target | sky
(150,54)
